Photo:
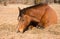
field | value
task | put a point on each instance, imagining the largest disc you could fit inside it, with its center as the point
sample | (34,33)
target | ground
(9,24)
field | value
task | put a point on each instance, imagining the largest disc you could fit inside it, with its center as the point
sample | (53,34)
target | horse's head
(23,21)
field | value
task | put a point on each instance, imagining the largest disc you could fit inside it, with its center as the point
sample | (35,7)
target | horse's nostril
(18,31)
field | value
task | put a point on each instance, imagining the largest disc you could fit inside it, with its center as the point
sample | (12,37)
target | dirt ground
(8,24)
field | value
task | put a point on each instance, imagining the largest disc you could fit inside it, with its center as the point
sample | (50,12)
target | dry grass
(8,25)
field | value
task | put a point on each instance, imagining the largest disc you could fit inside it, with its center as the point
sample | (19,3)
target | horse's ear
(19,13)
(19,8)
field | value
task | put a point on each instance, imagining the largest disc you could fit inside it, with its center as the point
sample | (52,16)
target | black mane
(41,4)
(24,10)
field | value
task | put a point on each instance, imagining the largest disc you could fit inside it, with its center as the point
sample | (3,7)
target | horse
(41,15)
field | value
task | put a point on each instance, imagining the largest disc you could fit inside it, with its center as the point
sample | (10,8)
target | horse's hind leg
(23,23)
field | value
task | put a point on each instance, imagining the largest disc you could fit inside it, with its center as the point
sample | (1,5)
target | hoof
(40,27)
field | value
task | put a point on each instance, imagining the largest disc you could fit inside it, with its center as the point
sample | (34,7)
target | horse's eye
(22,19)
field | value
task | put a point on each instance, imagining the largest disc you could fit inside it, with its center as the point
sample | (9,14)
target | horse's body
(41,13)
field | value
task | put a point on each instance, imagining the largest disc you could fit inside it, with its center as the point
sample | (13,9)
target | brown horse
(41,15)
